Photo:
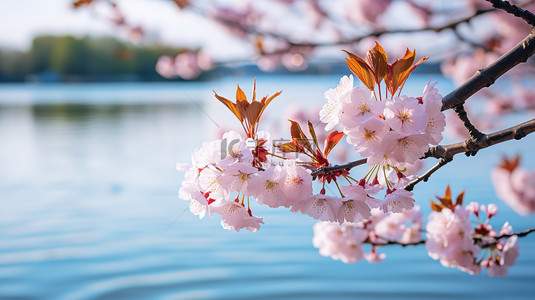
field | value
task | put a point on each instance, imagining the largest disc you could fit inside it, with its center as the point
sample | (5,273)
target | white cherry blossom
(330,112)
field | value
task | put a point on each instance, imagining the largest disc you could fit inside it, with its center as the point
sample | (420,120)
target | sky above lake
(22,20)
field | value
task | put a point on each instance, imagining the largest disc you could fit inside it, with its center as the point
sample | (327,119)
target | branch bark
(486,77)
(524,14)
(477,240)
(471,146)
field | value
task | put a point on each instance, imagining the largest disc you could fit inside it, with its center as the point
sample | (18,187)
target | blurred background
(100,99)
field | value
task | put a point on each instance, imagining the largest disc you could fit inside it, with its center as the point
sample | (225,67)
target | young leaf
(331,141)
(313,133)
(406,74)
(460,198)
(290,147)
(397,71)
(231,105)
(361,69)
(446,200)
(299,137)
(377,60)
(436,207)
(510,164)
(240,95)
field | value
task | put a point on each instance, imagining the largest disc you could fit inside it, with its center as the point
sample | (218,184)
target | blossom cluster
(396,131)
(346,241)
(452,239)
(392,131)
(515,185)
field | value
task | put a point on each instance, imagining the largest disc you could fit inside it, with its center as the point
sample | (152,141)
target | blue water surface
(89,206)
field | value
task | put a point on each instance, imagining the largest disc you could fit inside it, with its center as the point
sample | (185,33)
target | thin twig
(471,146)
(477,240)
(472,130)
(426,175)
(347,167)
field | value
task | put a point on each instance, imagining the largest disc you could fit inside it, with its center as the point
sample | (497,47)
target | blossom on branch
(452,239)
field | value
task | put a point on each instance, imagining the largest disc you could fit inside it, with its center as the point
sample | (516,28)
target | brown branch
(471,146)
(472,130)
(524,14)
(486,77)
(347,167)
(426,175)
(391,243)
(477,240)
(253,31)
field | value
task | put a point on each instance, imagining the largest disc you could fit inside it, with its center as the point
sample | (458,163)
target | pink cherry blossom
(320,207)
(237,177)
(449,239)
(297,184)
(341,242)
(406,115)
(359,107)
(436,120)
(353,209)
(405,149)
(235,216)
(266,187)
(398,201)
(516,188)
(366,137)
(198,202)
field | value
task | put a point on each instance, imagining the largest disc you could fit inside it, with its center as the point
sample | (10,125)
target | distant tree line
(81,58)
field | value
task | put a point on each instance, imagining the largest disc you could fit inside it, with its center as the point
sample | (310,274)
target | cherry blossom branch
(424,177)
(472,130)
(487,76)
(514,10)
(256,32)
(477,240)
(471,146)
(391,243)
(348,166)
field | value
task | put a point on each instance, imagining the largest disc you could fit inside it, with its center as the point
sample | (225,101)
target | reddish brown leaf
(299,137)
(240,95)
(331,141)
(377,60)
(446,200)
(79,3)
(182,3)
(313,133)
(406,75)
(460,199)
(290,147)
(397,71)
(436,207)
(361,69)
(510,164)
(231,105)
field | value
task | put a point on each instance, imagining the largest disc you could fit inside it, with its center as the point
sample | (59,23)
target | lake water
(89,206)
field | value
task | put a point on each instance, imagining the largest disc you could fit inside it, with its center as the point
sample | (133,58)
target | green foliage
(86,57)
